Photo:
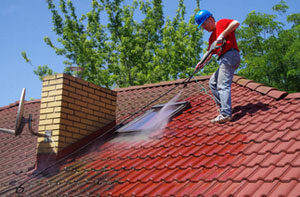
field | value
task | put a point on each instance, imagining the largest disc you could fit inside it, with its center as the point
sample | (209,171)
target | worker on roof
(223,31)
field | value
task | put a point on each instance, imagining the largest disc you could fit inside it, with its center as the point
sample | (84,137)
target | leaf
(24,55)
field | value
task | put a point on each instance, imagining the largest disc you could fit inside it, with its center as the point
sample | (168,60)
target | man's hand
(230,28)
(220,39)
(207,56)
(199,66)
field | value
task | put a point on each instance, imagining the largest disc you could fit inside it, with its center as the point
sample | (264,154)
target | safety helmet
(201,16)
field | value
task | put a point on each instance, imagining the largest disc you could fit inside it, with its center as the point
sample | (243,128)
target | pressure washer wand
(213,47)
(204,58)
(187,80)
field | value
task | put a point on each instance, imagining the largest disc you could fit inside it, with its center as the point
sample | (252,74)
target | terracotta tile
(293,96)
(244,82)
(264,188)
(249,188)
(277,94)
(255,154)
(236,78)
(285,189)
(253,85)
(293,191)
(264,89)
(233,188)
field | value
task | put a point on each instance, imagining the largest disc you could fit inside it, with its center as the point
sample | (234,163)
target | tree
(270,52)
(83,40)
(126,52)
(181,46)
(40,71)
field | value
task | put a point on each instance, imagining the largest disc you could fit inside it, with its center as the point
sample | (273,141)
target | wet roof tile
(257,153)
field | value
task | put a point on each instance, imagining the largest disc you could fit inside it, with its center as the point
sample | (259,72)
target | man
(220,82)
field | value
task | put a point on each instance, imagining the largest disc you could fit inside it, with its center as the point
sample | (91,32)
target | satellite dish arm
(9,131)
(29,120)
(21,121)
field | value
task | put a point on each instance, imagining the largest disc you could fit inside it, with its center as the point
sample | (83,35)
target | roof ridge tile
(293,95)
(261,88)
(253,85)
(11,105)
(162,83)
(264,89)
(236,78)
(244,82)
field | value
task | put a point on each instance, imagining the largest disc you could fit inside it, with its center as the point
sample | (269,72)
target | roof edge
(258,87)
(293,96)
(15,104)
(162,83)
(242,81)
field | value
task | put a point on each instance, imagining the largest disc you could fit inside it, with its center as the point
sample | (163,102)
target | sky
(25,23)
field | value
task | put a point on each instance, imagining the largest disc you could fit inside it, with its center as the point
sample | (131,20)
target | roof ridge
(162,83)
(11,105)
(295,95)
(259,87)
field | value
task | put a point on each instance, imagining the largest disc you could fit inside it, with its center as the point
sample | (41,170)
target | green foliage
(125,52)
(24,55)
(282,7)
(294,18)
(40,71)
(270,52)
(82,40)
(152,50)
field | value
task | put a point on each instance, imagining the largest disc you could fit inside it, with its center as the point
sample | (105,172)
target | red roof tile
(253,85)
(255,154)
(293,96)
(17,154)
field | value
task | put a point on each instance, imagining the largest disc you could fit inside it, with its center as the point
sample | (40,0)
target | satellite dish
(19,125)
(20,120)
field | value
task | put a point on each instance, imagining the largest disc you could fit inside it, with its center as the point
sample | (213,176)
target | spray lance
(214,46)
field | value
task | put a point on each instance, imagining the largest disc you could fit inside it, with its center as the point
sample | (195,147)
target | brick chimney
(72,109)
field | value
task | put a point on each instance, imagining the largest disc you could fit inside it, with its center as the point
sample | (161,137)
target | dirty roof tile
(17,154)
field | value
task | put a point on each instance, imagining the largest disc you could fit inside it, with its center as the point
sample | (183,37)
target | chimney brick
(72,109)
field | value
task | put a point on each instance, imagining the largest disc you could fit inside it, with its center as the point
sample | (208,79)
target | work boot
(221,119)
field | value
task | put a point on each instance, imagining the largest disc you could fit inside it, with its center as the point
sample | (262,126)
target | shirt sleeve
(222,25)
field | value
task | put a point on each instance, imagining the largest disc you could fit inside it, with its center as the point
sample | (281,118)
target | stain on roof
(257,153)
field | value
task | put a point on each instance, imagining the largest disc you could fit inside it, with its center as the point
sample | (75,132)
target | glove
(199,66)
(220,39)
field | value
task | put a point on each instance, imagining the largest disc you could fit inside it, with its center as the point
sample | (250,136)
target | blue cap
(201,16)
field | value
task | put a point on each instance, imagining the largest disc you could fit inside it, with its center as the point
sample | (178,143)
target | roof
(257,153)
(17,154)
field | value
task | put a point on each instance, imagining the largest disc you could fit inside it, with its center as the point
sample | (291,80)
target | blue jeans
(220,82)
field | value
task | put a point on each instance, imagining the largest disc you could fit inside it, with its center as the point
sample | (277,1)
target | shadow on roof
(251,108)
